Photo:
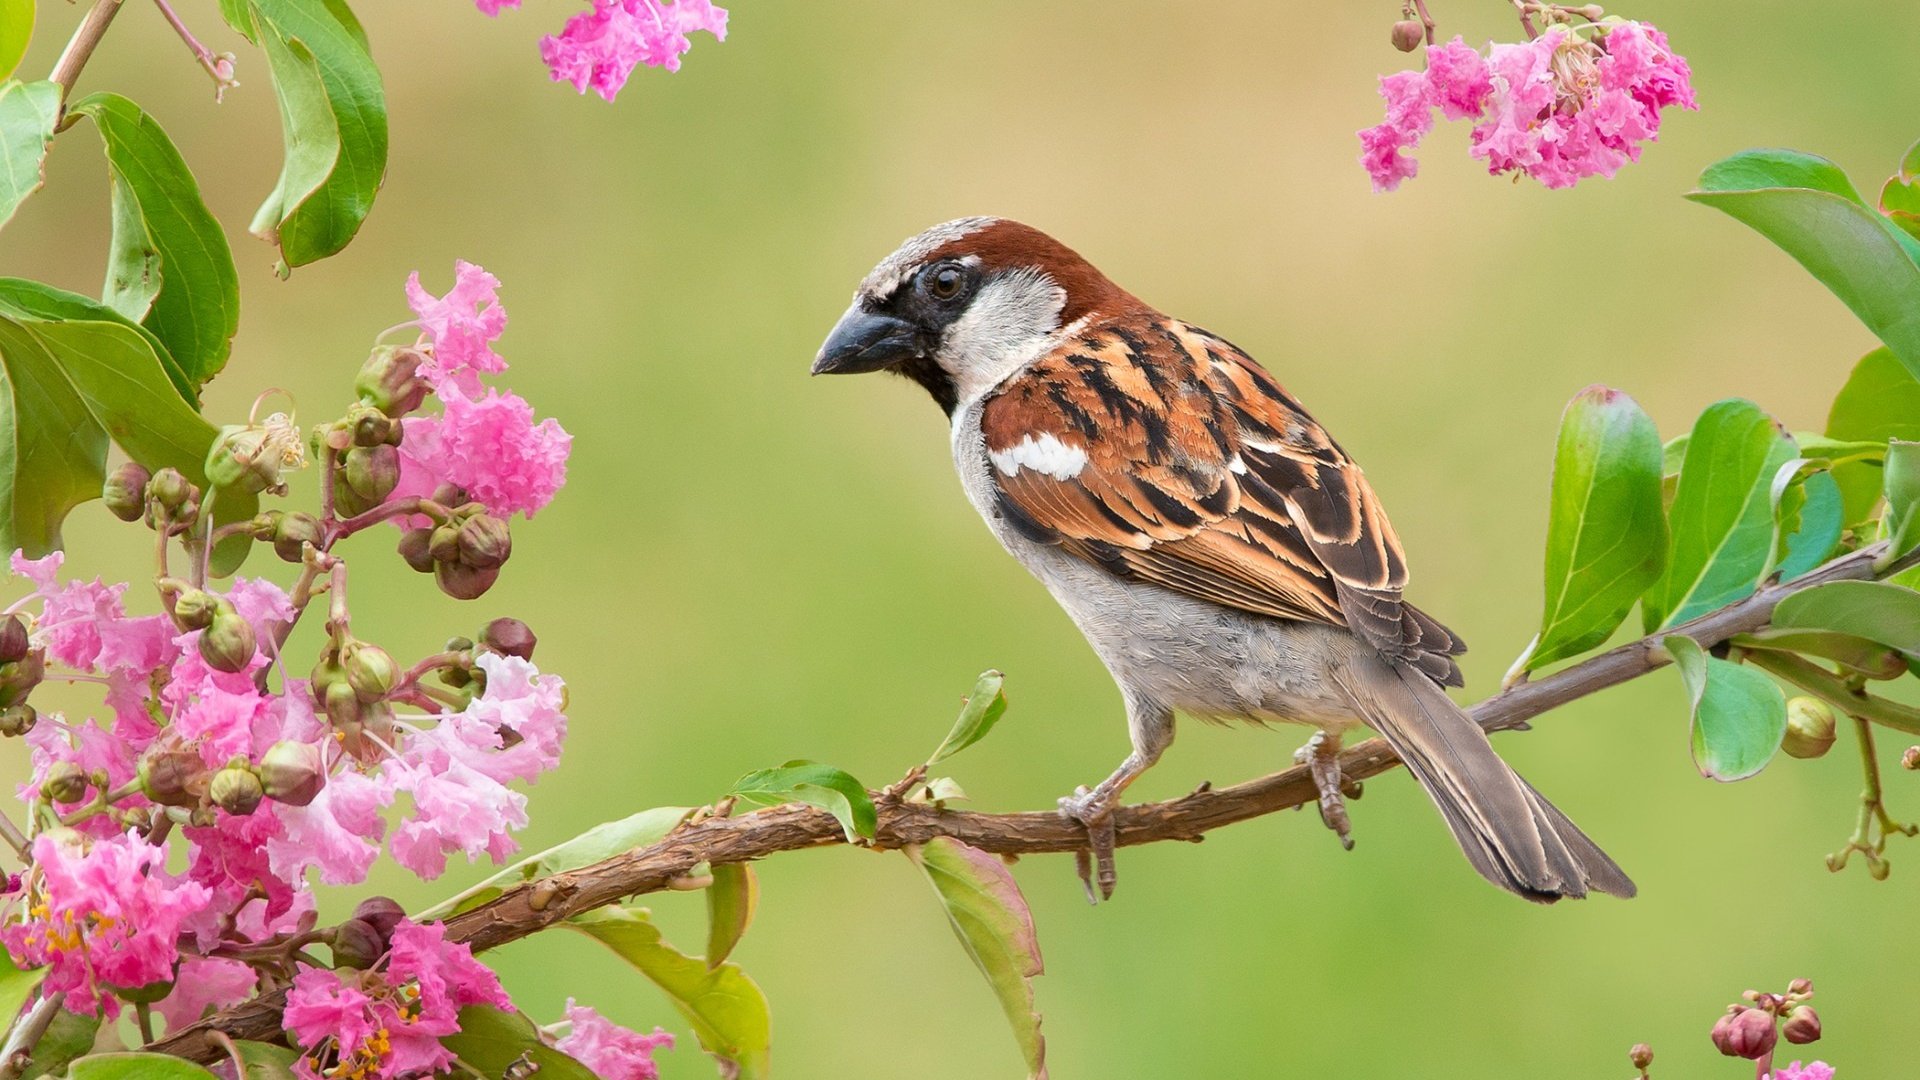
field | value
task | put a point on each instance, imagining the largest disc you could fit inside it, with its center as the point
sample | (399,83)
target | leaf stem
(1426,19)
(1834,690)
(79,50)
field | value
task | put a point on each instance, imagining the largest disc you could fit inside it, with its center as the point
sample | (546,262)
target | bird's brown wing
(1166,455)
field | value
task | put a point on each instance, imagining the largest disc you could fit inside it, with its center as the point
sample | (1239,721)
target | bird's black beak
(863,341)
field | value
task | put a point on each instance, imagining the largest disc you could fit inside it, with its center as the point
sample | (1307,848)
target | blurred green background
(748,566)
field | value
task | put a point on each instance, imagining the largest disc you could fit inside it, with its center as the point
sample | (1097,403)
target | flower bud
(366,476)
(341,705)
(173,777)
(171,489)
(292,532)
(509,637)
(369,426)
(485,542)
(443,544)
(1810,727)
(1878,869)
(194,609)
(1802,1026)
(236,790)
(65,782)
(1408,35)
(390,380)
(382,913)
(125,491)
(371,672)
(14,642)
(17,720)
(18,678)
(1800,988)
(357,944)
(451,496)
(1744,1033)
(1641,1055)
(293,772)
(228,644)
(464,582)
(1910,760)
(254,456)
(414,549)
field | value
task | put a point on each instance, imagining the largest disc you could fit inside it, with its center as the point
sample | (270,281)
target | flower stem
(220,67)
(12,835)
(1426,19)
(79,50)
(1834,690)
(387,512)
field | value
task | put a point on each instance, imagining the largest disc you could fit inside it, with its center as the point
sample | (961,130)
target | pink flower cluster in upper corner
(599,49)
(485,441)
(1559,108)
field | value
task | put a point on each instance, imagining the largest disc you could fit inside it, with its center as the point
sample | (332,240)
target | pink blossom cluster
(1562,107)
(1817,1070)
(599,49)
(485,441)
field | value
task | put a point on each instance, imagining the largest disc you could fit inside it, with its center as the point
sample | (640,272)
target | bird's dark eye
(945,282)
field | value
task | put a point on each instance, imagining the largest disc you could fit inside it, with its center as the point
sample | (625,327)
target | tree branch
(532,907)
(79,50)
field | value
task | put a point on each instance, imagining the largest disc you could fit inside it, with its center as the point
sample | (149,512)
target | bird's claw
(1093,812)
(1321,756)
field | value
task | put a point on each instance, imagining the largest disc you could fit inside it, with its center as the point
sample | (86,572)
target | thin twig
(17,1053)
(66,70)
(529,908)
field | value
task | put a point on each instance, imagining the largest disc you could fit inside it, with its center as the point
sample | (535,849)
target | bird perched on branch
(1221,553)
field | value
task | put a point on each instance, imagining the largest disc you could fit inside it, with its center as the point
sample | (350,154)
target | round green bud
(293,772)
(1810,728)
(17,720)
(228,644)
(173,777)
(371,671)
(15,643)
(390,380)
(236,790)
(194,609)
(65,782)
(293,532)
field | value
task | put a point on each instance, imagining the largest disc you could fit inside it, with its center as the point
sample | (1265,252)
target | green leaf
(1859,655)
(69,1036)
(816,785)
(1606,534)
(1874,610)
(991,918)
(1880,401)
(980,711)
(265,1061)
(1739,715)
(1806,205)
(1900,196)
(333,117)
(1816,524)
(1902,527)
(16,986)
(53,454)
(603,841)
(491,1040)
(16,31)
(28,112)
(1721,523)
(728,1012)
(169,266)
(731,901)
(135,1067)
(35,300)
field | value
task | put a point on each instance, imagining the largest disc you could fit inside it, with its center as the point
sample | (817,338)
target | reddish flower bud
(366,476)
(382,913)
(464,582)
(65,782)
(1810,728)
(292,533)
(1800,988)
(485,542)
(390,380)
(1641,1055)
(1911,759)
(17,720)
(18,678)
(357,944)
(228,644)
(414,549)
(14,642)
(125,491)
(1744,1033)
(370,426)
(1408,35)
(173,777)
(1802,1026)
(236,790)
(509,637)
(293,772)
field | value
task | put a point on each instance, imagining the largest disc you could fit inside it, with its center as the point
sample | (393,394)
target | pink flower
(339,831)
(389,1025)
(84,625)
(1458,79)
(488,445)
(462,326)
(492,7)
(205,982)
(610,1051)
(600,48)
(220,722)
(231,859)
(512,731)
(1818,1070)
(104,914)
(457,808)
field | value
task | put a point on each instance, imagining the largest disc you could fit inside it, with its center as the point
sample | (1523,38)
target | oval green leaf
(16,32)
(1806,206)
(265,1061)
(1721,522)
(1875,610)
(1739,715)
(53,454)
(981,709)
(1880,401)
(168,266)
(1606,534)
(28,112)
(490,1041)
(1902,491)
(994,924)
(731,901)
(727,1010)
(135,1067)
(823,786)
(603,841)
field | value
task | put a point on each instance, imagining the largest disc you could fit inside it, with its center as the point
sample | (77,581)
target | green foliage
(265,1061)
(135,1067)
(333,116)
(727,1011)
(994,924)
(1739,715)
(1721,525)
(1606,533)
(1809,518)
(69,1036)
(1808,207)
(28,112)
(1902,528)
(731,901)
(169,266)
(1900,195)
(1872,610)
(823,786)
(1880,401)
(491,1040)
(16,986)
(603,841)
(16,31)
(982,709)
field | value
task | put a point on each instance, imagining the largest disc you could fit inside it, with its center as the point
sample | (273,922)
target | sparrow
(1220,552)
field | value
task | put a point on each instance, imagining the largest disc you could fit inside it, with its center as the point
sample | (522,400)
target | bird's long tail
(1516,839)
